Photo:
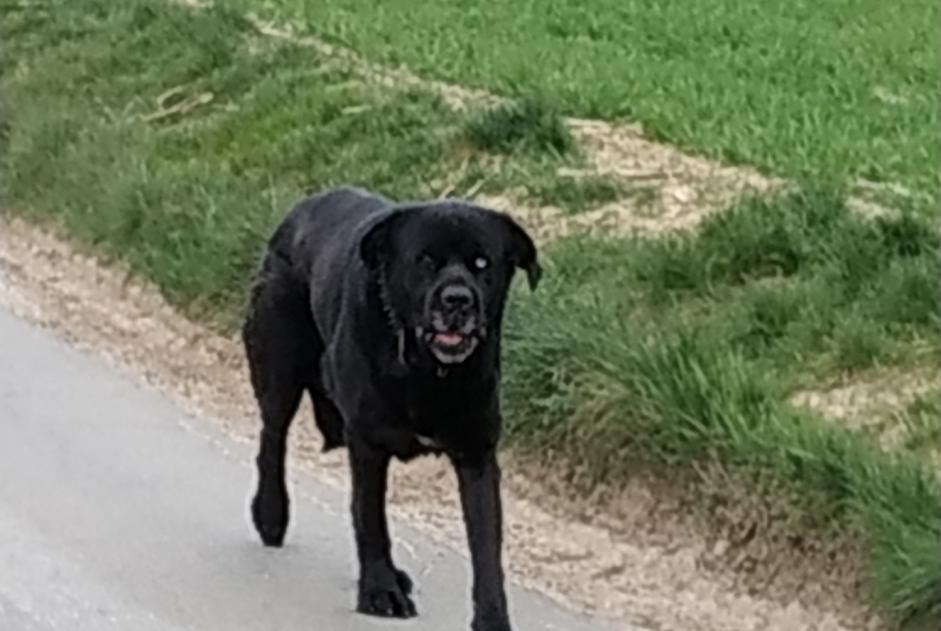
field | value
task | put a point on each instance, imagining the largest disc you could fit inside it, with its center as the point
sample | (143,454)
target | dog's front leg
(383,589)
(479,482)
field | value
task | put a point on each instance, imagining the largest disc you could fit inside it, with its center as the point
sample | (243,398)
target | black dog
(389,316)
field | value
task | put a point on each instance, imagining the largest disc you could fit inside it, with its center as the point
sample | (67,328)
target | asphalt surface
(119,512)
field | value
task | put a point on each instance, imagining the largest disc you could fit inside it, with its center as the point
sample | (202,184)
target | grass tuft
(796,283)
(525,126)
(583,193)
(922,423)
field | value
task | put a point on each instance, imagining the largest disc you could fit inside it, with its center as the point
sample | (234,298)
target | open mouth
(452,347)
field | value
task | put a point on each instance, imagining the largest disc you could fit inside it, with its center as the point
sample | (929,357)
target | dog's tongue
(449,339)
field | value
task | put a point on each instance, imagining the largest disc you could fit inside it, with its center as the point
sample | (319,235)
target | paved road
(118,512)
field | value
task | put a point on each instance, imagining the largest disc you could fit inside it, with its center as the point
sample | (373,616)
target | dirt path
(650,567)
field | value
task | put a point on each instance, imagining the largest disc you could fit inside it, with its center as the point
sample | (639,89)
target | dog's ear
(375,245)
(522,250)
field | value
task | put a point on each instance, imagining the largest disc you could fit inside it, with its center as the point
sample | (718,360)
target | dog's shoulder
(331,216)
(321,228)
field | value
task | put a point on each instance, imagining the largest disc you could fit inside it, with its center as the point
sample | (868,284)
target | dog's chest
(429,431)
(447,421)
(429,409)
(424,414)
(407,443)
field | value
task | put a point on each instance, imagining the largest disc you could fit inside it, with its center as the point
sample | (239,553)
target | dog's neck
(395,325)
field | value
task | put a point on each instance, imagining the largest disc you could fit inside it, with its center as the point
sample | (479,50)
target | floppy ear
(374,245)
(522,250)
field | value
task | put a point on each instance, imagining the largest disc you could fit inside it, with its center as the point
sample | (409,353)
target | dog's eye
(481,263)
(426,261)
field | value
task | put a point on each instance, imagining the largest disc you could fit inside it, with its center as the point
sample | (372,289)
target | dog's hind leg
(279,345)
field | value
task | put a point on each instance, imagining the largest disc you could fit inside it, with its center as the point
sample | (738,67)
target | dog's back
(321,229)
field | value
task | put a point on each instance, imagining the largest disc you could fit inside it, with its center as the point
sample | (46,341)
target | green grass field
(655,353)
(802,88)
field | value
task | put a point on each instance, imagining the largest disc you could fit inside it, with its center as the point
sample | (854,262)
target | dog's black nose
(456,297)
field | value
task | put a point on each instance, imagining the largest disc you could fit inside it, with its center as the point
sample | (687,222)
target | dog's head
(444,270)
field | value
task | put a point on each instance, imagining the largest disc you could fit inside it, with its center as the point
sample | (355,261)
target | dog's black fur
(389,316)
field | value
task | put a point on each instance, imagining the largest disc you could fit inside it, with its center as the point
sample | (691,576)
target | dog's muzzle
(456,324)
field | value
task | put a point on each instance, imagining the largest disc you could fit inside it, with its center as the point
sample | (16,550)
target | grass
(658,353)
(670,353)
(921,421)
(519,126)
(613,401)
(205,186)
(584,192)
(798,285)
(842,88)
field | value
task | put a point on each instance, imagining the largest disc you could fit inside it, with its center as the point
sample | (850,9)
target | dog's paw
(385,593)
(271,535)
(270,516)
(492,622)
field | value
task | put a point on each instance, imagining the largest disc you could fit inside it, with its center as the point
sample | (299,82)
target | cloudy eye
(481,263)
